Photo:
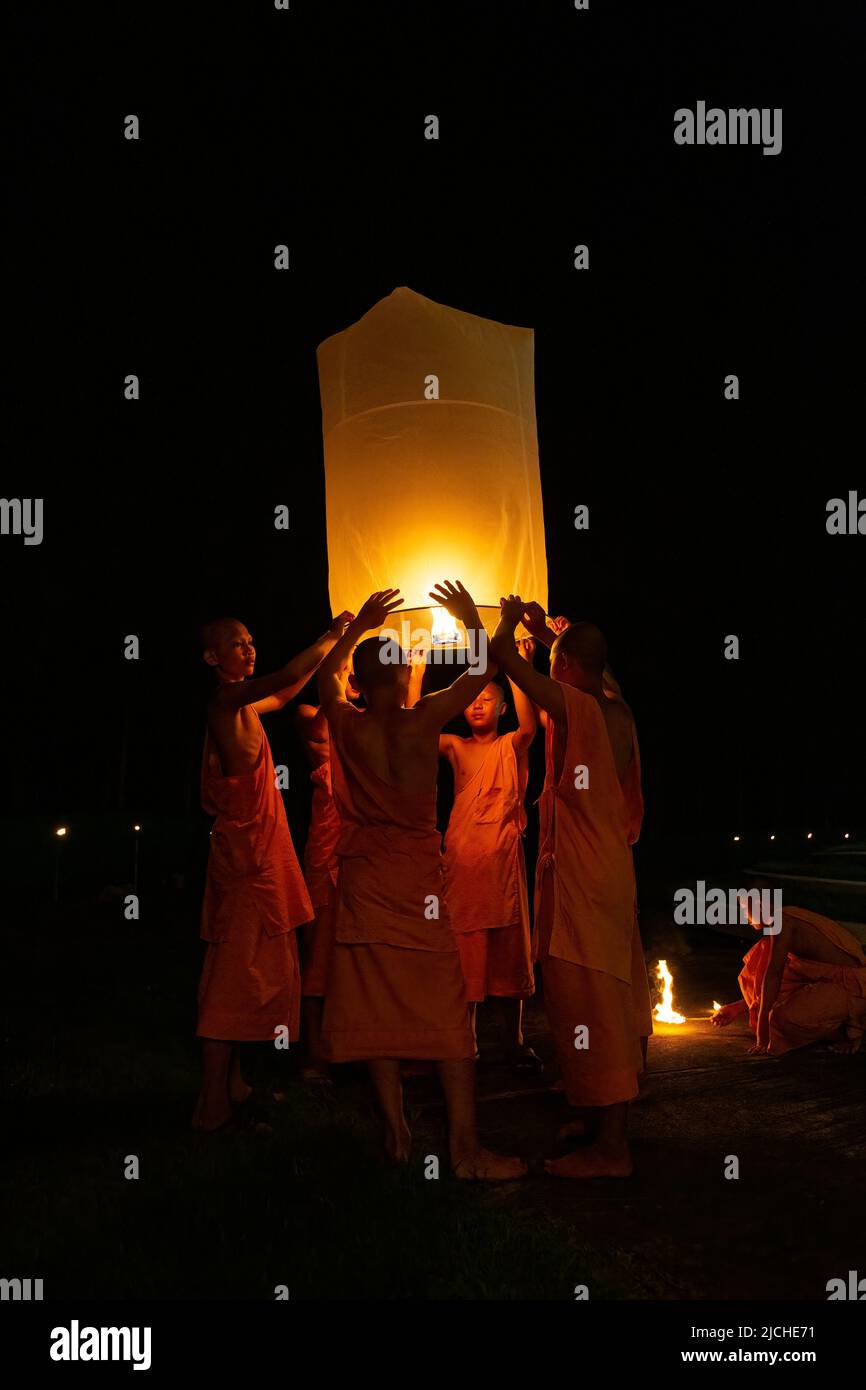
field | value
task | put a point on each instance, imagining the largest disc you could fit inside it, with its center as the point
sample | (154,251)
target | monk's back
(811,944)
(400,747)
(620,731)
(619,723)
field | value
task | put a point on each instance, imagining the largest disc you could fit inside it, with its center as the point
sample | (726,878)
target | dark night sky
(707,517)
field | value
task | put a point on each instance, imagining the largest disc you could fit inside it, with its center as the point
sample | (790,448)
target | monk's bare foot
(846,1048)
(239,1091)
(573,1129)
(525,1060)
(591,1163)
(208,1119)
(484,1166)
(398,1145)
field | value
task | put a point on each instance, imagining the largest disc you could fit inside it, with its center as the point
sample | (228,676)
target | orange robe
(485,877)
(587,940)
(632,793)
(816,1002)
(254,898)
(395,987)
(320,872)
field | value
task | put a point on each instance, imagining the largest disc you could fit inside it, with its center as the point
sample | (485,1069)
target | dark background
(707,517)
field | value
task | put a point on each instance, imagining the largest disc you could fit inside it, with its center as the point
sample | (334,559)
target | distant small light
(61,831)
(847,836)
(772,837)
(736,838)
(809,835)
(136,827)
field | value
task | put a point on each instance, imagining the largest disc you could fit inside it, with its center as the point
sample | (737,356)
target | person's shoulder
(619,714)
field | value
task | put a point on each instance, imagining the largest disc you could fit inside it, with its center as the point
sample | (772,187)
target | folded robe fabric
(395,987)
(586,926)
(584,842)
(816,1001)
(485,876)
(321,866)
(254,898)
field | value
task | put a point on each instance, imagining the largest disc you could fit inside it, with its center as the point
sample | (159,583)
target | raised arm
(543,629)
(333,671)
(524,708)
(541,690)
(444,705)
(417,667)
(273,692)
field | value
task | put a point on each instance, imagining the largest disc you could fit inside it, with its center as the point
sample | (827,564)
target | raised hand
(511,609)
(526,647)
(458,602)
(378,606)
(340,623)
(558,625)
(534,619)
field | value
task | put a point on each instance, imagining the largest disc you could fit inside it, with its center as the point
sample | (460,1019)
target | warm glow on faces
(558,663)
(235,653)
(484,712)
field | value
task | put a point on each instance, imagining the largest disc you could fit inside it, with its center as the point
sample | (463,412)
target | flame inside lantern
(665,1011)
(444,630)
(717,1006)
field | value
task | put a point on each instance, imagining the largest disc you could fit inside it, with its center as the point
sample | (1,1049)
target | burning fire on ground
(665,1011)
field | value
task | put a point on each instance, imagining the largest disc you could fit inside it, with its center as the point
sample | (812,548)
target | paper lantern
(431,460)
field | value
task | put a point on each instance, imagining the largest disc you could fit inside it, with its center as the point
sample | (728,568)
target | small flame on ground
(717,1006)
(665,1011)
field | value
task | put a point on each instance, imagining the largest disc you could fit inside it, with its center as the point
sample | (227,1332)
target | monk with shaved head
(395,989)
(254,895)
(485,869)
(585,887)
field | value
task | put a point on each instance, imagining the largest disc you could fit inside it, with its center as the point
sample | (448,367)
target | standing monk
(254,895)
(485,868)
(395,990)
(546,630)
(321,866)
(804,984)
(585,888)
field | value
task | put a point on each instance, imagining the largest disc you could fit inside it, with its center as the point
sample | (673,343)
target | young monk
(254,895)
(320,873)
(485,868)
(395,989)
(585,888)
(546,630)
(805,984)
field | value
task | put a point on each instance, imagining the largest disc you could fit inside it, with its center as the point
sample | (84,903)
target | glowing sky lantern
(431,460)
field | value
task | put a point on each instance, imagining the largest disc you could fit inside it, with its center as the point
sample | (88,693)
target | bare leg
(511,1018)
(473,1017)
(312,1008)
(582,1121)
(385,1074)
(608,1155)
(214,1106)
(519,1056)
(468,1159)
(239,1090)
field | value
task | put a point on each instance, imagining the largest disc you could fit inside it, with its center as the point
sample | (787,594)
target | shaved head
(214,632)
(584,644)
(369,668)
